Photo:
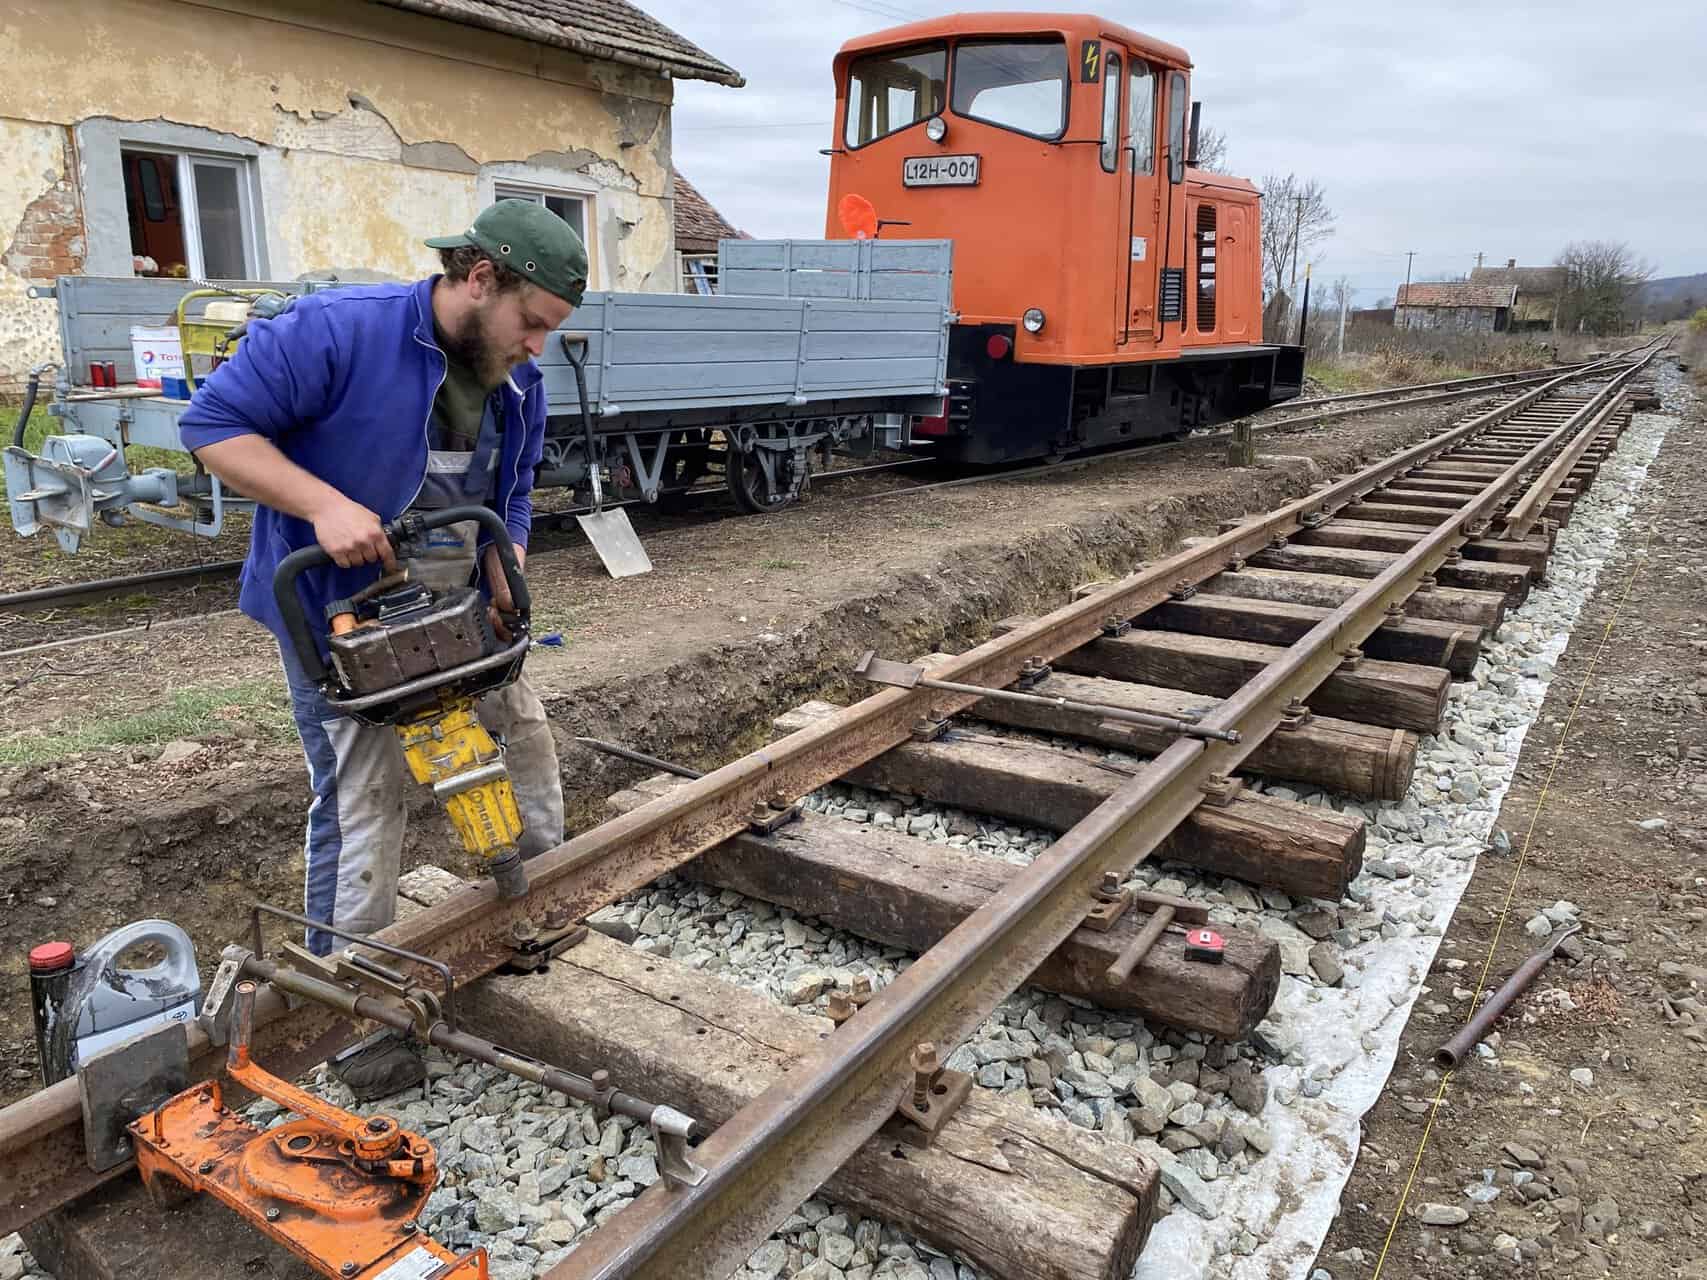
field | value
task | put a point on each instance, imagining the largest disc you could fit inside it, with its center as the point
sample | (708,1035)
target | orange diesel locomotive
(1106,290)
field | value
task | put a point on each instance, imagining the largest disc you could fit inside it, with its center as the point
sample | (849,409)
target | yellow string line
(1511,890)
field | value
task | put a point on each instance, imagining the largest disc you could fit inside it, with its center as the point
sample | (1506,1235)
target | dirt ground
(1616,1159)
(157,774)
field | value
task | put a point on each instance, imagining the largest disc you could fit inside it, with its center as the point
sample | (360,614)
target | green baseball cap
(530,240)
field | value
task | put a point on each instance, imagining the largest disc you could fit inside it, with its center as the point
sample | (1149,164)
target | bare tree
(1212,149)
(1603,283)
(1295,216)
(1340,291)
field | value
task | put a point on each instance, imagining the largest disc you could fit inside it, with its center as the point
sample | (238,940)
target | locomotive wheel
(745,476)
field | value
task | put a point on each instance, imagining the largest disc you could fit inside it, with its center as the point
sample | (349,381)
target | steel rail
(42,1164)
(1489,381)
(782,1146)
(46,597)
(1528,509)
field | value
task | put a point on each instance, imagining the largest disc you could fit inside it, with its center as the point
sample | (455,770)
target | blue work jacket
(343,383)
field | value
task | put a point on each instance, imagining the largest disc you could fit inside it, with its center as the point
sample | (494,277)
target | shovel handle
(575,348)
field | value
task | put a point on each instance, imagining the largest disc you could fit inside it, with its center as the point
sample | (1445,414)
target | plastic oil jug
(86,1003)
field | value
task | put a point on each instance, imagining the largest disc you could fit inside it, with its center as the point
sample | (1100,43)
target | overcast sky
(1452,128)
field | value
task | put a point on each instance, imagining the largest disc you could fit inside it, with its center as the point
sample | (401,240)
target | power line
(780,124)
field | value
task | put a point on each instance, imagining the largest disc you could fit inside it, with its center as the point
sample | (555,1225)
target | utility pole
(1297,230)
(1408,257)
(1298,227)
(1345,301)
(1478,260)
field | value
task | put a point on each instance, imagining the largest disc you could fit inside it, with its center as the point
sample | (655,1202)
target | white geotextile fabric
(1290,1198)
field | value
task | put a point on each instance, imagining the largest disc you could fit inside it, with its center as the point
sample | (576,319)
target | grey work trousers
(361,783)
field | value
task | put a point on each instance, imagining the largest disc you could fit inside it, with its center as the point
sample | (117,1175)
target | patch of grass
(188,713)
(1338,378)
(777,562)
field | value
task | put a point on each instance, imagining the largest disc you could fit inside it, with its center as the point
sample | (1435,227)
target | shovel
(611,534)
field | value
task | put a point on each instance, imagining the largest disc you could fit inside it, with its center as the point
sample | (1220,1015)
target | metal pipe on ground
(1450,1054)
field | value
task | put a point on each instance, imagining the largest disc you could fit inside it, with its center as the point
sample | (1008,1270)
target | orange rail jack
(341,1192)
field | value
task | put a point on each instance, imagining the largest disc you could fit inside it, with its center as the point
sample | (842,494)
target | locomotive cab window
(1110,150)
(1018,85)
(1141,118)
(1176,127)
(889,91)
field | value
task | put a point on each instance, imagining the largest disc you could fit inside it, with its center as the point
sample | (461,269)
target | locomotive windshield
(891,90)
(1019,85)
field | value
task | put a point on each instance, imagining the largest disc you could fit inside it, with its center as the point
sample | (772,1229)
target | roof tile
(1454,293)
(612,29)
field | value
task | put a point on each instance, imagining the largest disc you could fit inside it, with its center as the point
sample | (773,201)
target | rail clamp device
(416,659)
(340,1191)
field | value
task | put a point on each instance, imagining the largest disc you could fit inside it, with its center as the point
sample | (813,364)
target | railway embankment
(183,790)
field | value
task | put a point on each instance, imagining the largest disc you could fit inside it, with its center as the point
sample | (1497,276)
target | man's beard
(471,346)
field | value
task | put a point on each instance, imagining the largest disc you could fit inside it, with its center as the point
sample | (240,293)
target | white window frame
(690,278)
(506,187)
(189,208)
(102,144)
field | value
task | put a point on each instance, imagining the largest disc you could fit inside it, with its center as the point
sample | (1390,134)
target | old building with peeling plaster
(233,139)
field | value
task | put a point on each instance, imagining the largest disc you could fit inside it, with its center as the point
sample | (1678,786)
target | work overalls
(361,784)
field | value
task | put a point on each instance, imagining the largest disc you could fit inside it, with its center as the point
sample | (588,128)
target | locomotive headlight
(936,128)
(1032,320)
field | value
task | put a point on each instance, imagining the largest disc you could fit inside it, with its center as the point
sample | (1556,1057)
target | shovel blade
(613,537)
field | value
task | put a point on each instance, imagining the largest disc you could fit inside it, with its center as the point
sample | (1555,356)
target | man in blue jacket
(351,408)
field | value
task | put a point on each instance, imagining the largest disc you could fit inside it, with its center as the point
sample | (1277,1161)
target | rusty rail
(42,1165)
(1529,508)
(777,1150)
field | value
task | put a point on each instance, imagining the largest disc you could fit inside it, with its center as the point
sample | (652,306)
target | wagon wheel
(754,491)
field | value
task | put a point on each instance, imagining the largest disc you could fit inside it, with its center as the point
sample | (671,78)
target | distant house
(1538,290)
(1456,305)
(698,229)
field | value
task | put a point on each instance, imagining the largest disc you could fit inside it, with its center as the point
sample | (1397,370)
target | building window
(699,273)
(573,208)
(190,215)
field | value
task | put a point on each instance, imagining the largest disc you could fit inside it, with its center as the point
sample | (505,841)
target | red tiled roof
(1454,293)
(1532,281)
(698,225)
(611,29)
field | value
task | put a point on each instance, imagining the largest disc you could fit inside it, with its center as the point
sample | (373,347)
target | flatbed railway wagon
(1106,290)
(828,346)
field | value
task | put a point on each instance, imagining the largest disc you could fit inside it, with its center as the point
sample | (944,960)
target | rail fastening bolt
(206,1166)
(861,984)
(924,1072)
(1111,883)
(409,1226)
(273,1214)
(348,1269)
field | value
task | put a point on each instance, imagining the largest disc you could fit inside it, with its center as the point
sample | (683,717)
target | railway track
(1312,643)
(41,599)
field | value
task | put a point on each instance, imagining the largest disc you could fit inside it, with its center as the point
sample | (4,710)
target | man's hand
(352,535)
(346,530)
(500,587)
